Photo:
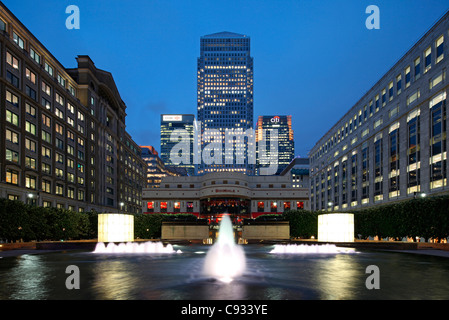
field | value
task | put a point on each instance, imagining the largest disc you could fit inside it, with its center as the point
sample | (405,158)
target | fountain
(134,247)
(225,260)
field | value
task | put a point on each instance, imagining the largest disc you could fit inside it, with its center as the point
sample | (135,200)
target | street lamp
(330,204)
(121,206)
(32,198)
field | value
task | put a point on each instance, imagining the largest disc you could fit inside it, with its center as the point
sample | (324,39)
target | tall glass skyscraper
(278,138)
(177,136)
(225,104)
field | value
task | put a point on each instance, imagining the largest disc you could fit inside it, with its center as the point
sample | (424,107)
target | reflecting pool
(267,276)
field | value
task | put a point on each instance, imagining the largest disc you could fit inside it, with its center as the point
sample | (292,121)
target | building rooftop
(225,34)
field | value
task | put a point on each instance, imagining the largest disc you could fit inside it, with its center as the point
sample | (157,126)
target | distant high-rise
(275,128)
(177,141)
(225,103)
(156,169)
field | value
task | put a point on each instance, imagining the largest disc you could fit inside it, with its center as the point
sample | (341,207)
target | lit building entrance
(214,208)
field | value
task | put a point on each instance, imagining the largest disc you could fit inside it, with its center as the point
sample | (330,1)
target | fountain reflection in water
(304,249)
(134,247)
(225,260)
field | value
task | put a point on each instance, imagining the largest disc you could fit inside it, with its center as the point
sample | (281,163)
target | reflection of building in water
(213,194)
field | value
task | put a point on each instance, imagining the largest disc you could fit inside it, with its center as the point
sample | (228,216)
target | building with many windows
(278,145)
(225,104)
(63,141)
(156,169)
(392,144)
(299,169)
(211,195)
(177,137)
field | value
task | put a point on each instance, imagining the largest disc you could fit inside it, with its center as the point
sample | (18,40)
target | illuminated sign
(275,119)
(172,118)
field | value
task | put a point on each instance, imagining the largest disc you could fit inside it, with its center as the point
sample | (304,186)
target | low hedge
(422,217)
(20,221)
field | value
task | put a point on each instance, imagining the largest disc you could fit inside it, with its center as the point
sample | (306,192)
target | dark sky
(313,59)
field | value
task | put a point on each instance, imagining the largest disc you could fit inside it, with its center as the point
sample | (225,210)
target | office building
(278,145)
(211,195)
(177,136)
(225,104)
(299,169)
(63,141)
(392,144)
(156,169)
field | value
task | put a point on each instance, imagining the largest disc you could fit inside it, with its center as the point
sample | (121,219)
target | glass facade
(283,140)
(225,102)
(177,136)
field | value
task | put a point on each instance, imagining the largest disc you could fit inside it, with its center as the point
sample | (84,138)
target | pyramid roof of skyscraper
(225,34)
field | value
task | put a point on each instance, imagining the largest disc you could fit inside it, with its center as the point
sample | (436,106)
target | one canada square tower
(225,104)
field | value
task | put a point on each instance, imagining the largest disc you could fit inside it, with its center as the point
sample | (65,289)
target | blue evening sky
(313,59)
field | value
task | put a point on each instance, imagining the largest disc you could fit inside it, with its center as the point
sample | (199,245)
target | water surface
(267,276)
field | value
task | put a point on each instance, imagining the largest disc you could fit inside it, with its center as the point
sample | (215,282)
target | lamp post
(330,204)
(121,206)
(33,198)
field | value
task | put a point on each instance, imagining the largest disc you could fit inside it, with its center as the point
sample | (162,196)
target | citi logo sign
(275,119)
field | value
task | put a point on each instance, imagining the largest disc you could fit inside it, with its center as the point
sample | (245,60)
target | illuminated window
(440,49)
(398,84)
(17,39)
(437,79)
(417,68)
(30,182)
(427,59)
(35,56)
(438,154)
(12,61)
(12,136)
(390,91)
(49,69)
(163,206)
(12,156)
(407,77)
(12,176)
(12,99)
